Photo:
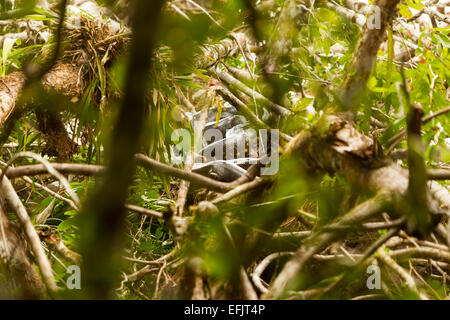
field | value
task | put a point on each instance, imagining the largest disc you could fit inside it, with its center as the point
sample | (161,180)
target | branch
(420,252)
(387,260)
(335,146)
(360,19)
(246,111)
(62,79)
(438,174)
(215,52)
(144,211)
(392,142)
(104,212)
(190,158)
(191,176)
(286,280)
(56,243)
(44,264)
(50,170)
(256,276)
(15,258)
(419,214)
(365,56)
(232,81)
(146,162)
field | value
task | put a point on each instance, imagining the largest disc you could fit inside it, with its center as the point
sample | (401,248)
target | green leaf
(38,17)
(414,4)
(404,11)
(146,246)
(159,233)
(443,39)
(302,104)
(8,44)
(65,225)
(445,154)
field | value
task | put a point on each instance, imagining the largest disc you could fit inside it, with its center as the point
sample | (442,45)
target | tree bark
(23,282)
(366,53)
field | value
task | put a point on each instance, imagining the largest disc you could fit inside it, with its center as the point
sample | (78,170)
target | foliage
(305,80)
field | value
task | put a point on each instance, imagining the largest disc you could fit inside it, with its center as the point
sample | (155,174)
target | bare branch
(33,238)
(286,280)
(365,56)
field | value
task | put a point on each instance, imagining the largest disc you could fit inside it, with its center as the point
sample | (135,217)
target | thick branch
(365,55)
(104,211)
(62,79)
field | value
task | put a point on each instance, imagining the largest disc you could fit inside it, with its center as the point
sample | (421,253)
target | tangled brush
(93,43)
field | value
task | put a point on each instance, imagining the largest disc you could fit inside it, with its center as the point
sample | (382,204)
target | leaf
(390,57)
(415,5)
(146,246)
(65,225)
(189,84)
(8,44)
(404,11)
(379,89)
(443,39)
(445,154)
(38,17)
(302,104)
(46,13)
(218,114)
(372,85)
(159,233)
